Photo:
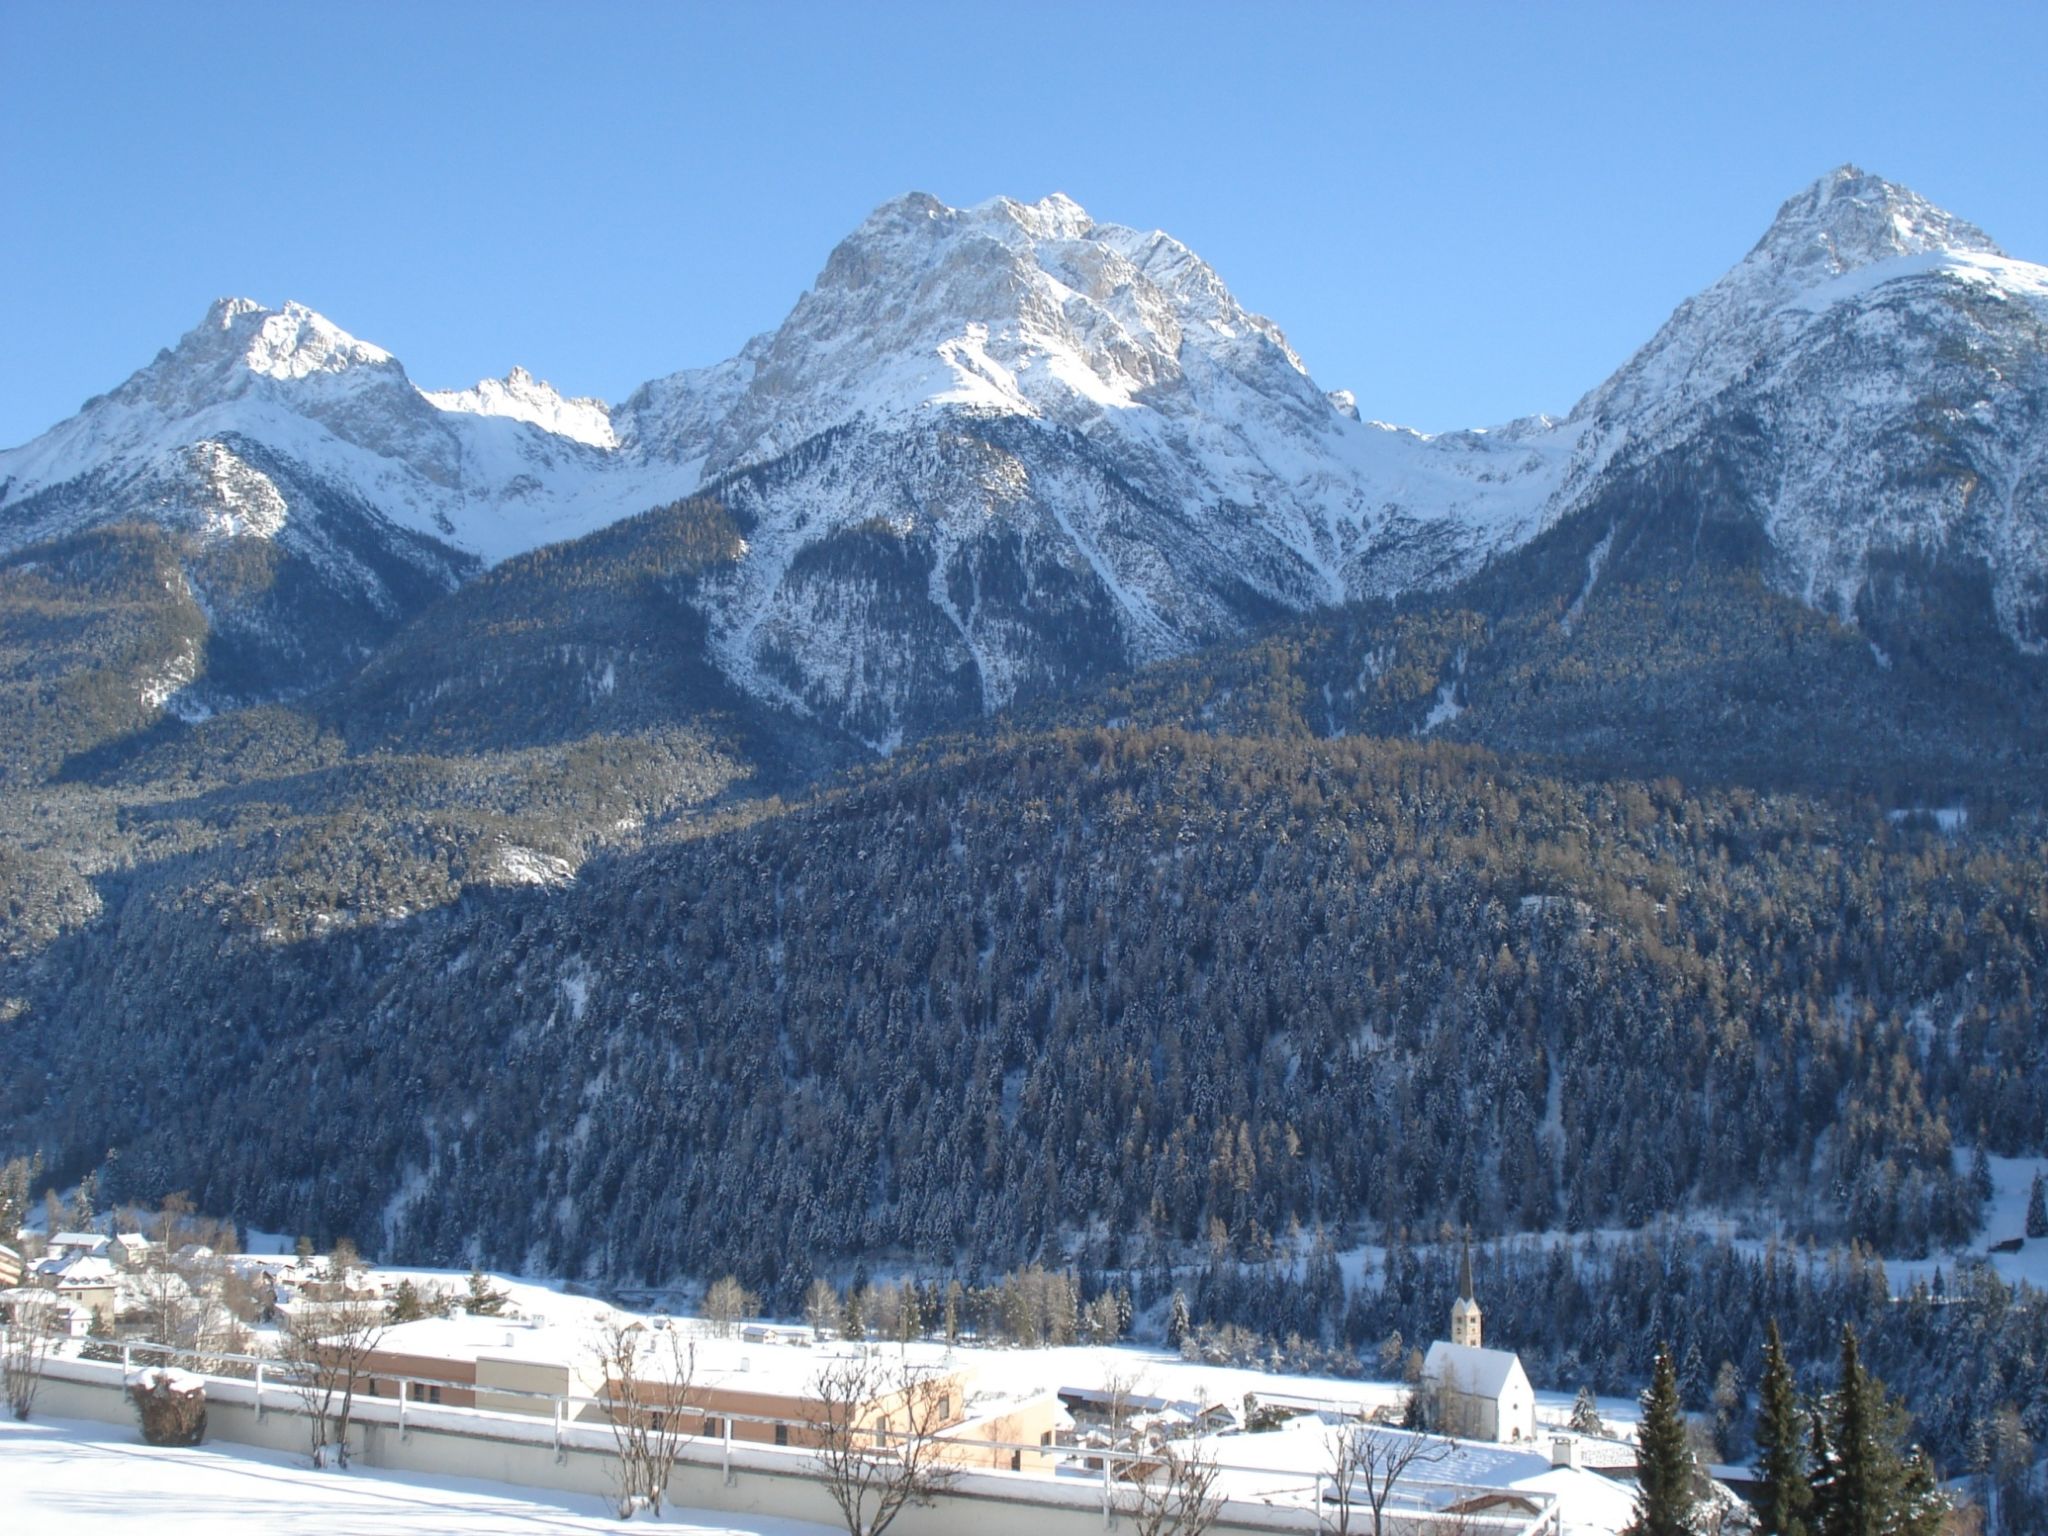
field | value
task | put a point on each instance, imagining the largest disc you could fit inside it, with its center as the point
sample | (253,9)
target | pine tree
(482,1300)
(1586,1414)
(1785,1500)
(1864,1485)
(405,1305)
(2037,1208)
(1664,1504)
(1178,1324)
(1849,1479)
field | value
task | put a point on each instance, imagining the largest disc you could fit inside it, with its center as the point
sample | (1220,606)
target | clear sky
(1462,212)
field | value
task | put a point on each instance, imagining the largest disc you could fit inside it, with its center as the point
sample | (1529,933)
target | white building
(1474,1392)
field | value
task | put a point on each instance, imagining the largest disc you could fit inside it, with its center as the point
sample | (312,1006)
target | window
(782,1434)
(945,1407)
(714,1428)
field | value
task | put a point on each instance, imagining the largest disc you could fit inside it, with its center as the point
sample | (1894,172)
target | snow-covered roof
(1480,1372)
(88,1269)
(86,1240)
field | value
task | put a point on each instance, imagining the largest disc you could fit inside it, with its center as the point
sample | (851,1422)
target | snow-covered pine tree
(1863,1484)
(1586,1418)
(1665,1500)
(1784,1501)
(2037,1208)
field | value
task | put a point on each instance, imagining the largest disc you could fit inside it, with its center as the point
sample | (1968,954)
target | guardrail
(1263,1499)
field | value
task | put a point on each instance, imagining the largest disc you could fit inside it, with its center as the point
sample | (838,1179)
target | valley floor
(74,1476)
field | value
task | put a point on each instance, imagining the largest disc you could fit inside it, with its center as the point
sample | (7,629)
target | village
(890,1408)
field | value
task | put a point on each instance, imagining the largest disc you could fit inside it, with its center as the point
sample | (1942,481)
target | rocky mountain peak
(1850,219)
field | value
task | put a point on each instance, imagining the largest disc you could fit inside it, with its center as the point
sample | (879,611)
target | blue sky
(1461,212)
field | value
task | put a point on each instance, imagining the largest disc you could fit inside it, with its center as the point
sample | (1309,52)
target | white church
(1476,1393)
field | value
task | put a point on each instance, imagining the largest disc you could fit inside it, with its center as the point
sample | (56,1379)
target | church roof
(1481,1372)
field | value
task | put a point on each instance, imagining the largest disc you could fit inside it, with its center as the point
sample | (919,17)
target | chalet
(1474,1392)
(10,1267)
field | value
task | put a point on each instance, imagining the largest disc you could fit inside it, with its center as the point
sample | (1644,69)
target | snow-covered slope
(999,447)
(489,471)
(1877,372)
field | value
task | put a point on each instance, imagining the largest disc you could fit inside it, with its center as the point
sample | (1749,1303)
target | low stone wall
(523,1450)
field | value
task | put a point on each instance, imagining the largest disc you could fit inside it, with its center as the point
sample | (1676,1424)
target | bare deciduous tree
(647,1377)
(167,1303)
(1175,1494)
(1368,1461)
(325,1349)
(821,1307)
(1119,1388)
(725,1303)
(31,1335)
(875,1424)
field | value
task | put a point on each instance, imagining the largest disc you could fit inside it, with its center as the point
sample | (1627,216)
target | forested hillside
(1169,986)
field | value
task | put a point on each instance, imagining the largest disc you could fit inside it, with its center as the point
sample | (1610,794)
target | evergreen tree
(1785,1500)
(482,1300)
(405,1305)
(2037,1208)
(1586,1414)
(1178,1324)
(1864,1485)
(1664,1504)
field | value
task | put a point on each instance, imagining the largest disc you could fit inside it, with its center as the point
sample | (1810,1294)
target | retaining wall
(530,1452)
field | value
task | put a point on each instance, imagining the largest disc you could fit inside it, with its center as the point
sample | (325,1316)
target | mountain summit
(994,449)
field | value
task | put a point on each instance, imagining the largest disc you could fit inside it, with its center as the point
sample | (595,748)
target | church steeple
(1465,1315)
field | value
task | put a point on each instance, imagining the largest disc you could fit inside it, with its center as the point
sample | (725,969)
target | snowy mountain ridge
(1012,389)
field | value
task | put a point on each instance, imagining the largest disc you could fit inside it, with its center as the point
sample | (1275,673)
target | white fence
(255,1403)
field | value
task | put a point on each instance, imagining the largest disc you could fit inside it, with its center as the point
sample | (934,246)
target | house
(1474,1392)
(129,1249)
(10,1267)
(77,1269)
(53,1313)
(1008,1423)
(92,1299)
(69,1243)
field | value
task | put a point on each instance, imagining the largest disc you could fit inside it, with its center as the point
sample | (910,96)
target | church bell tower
(1465,1310)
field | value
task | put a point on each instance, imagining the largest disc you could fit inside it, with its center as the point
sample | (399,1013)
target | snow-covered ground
(72,1476)
(2005,1217)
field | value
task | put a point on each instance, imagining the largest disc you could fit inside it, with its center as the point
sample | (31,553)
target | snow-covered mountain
(1875,371)
(997,448)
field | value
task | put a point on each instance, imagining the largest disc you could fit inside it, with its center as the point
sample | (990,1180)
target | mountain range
(1010,758)
(993,451)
